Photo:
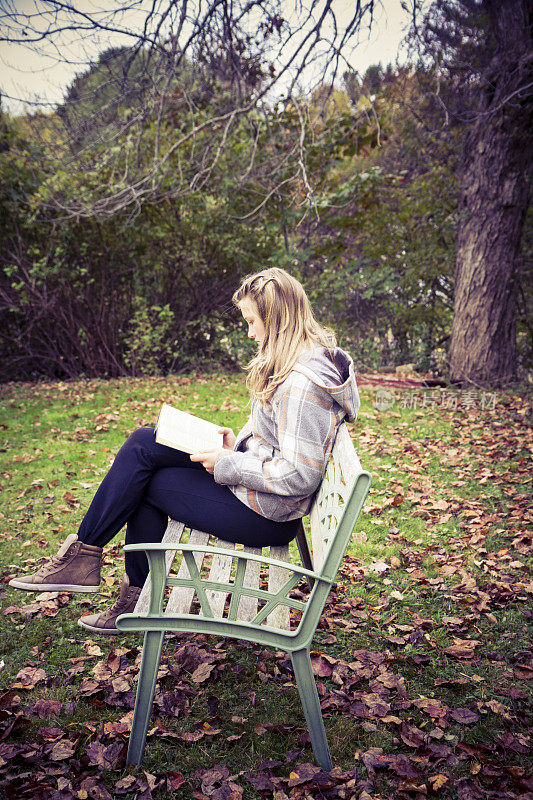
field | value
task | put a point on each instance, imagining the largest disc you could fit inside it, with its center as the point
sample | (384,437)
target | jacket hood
(332,370)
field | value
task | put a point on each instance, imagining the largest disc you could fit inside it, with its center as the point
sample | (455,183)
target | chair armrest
(195,548)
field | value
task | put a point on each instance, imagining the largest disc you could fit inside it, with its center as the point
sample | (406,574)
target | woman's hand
(229,439)
(207,458)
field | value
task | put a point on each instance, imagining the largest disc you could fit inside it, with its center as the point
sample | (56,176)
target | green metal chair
(227,605)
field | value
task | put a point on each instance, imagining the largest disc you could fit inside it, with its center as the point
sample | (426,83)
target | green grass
(457,558)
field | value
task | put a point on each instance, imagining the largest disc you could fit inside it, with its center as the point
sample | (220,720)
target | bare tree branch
(249,54)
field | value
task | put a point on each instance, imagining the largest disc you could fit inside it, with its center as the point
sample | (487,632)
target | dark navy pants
(149,482)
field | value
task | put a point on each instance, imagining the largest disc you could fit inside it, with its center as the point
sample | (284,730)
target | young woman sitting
(254,490)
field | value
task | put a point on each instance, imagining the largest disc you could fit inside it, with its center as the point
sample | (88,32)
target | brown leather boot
(105,622)
(76,568)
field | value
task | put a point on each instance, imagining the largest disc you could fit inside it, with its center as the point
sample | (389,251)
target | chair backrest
(329,504)
(333,517)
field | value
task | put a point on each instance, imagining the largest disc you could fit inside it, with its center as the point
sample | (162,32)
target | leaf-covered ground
(422,659)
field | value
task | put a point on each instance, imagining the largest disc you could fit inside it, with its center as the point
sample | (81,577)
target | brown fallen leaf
(92,649)
(28,677)
(464,716)
(438,781)
(47,708)
(106,757)
(62,750)
(89,686)
(524,672)
(321,665)
(191,736)
(378,566)
(462,648)
(120,684)
(497,708)
(303,773)
(94,789)
(202,672)
(174,781)
(125,785)
(51,734)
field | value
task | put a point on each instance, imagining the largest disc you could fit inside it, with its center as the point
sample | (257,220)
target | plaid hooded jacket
(281,454)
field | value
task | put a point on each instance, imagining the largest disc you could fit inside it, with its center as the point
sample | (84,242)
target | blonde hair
(290,328)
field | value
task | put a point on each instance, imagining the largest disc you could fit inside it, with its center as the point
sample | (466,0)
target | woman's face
(256,328)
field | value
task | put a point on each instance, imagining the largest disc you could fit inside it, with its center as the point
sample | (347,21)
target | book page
(186,432)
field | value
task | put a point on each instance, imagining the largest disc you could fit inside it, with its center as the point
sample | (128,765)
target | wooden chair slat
(280,617)
(346,456)
(351,466)
(317,542)
(181,597)
(248,605)
(220,571)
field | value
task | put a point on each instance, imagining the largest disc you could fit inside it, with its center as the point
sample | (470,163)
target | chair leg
(305,554)
(153,641)
(305,680)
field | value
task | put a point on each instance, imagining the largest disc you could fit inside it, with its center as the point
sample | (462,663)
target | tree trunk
(493,204)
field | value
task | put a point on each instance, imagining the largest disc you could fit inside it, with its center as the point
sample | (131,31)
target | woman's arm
(306,423)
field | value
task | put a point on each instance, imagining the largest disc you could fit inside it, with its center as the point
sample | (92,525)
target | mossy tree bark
(494,198)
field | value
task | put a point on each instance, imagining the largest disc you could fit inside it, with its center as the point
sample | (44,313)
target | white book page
(186,432)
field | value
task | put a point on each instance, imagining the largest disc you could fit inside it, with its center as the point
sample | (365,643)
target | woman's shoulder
(318,366)
(323,365)
(302,377)
(328,375)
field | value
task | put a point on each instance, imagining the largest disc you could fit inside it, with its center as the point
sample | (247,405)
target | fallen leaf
(92,649)
(174,781)
(464,716)
(396,595)
(47,708)
(378,566)
(62,750)
(303,773)
(120,684)
(202,672)
(463,648)
(28,677)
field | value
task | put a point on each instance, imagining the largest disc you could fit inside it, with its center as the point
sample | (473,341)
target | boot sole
(94,629)
(52,587)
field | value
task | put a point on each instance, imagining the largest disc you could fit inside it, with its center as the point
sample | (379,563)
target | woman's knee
(138,442)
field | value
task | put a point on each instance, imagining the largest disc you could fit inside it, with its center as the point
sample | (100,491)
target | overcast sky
(43,76)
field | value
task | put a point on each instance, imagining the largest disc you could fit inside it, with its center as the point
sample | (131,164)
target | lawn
(422,658)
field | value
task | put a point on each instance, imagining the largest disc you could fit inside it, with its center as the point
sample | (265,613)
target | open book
(186,432)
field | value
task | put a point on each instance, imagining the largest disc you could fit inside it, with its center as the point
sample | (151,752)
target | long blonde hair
(290,328)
